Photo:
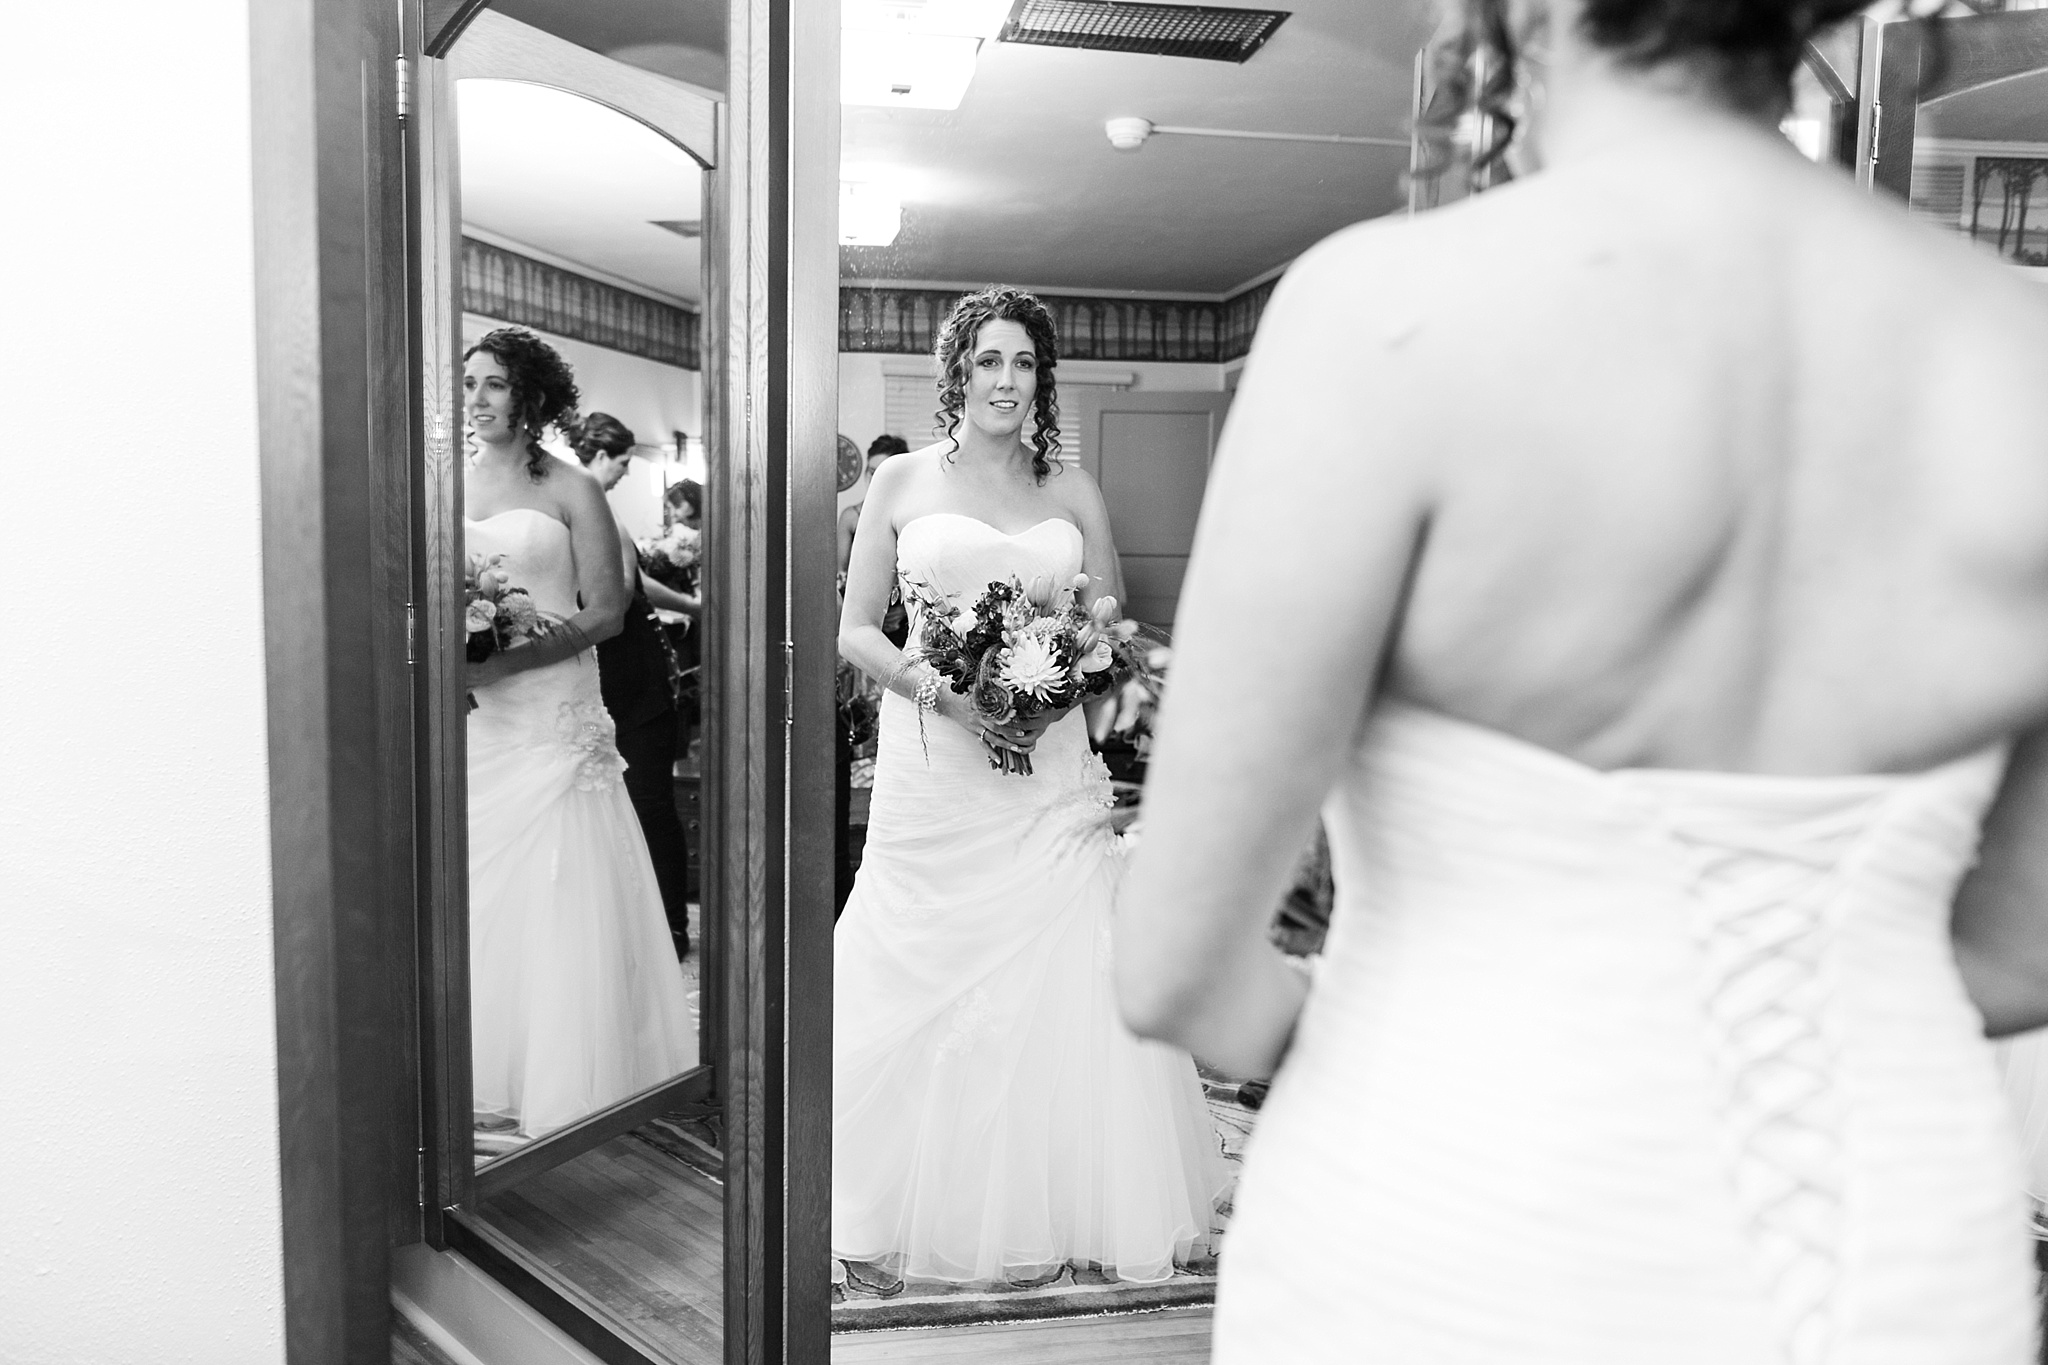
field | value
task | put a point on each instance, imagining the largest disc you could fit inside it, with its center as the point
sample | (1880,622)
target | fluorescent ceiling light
(913,54)
(905,70)
(870,214)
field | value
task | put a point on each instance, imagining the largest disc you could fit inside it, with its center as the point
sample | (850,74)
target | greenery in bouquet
(1020,652)
(672,557)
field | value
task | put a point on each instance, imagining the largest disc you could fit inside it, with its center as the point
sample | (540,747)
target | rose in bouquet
(671,558)
(1019,652)
(495,614)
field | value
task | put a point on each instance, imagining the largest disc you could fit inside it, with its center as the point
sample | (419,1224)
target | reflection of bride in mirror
(576,999)
(992,1119)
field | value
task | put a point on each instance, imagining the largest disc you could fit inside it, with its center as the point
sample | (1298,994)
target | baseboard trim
(471,1317)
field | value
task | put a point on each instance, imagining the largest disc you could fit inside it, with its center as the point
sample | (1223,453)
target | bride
(992,1120)
(576,998)
(1662,543)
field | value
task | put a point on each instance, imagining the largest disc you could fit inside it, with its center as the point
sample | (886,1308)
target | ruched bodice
(1635,1066)
(959,555)
(537,555)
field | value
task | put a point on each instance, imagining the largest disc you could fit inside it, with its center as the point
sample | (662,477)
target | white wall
(139,1209)
(653,399)
(862,397)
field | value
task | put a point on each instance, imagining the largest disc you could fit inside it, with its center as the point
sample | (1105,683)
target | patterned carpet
(1077,1291)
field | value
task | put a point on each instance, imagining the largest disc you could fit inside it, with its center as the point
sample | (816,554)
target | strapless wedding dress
(1633,1068)
(576,998)
(992,1118)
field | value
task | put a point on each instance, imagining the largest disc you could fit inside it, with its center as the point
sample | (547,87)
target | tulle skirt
(576,998)
(992,1118)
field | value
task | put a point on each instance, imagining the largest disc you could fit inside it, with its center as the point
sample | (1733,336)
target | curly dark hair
(543,388)
(599,433)
(686,491)
(1749,49)
(955,348)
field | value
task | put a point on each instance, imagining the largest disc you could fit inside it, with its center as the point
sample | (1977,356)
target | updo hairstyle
(888,445)
(599,433)
(1746,49)
(543,388)
(955,352)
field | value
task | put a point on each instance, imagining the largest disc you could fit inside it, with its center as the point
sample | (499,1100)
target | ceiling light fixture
(1129,134)
(870,214)
(913,54)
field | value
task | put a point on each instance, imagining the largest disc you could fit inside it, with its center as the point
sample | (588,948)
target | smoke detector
(1128,134)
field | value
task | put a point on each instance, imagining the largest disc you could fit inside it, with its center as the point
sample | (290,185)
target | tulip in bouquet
(1019,652)
(495,614)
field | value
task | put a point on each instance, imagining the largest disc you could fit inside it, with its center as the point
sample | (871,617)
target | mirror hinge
(410,657)
(788,683)
(404,88)
(422,1170)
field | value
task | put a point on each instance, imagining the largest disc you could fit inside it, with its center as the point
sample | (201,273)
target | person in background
(684,504)
(855,688)
(633,675)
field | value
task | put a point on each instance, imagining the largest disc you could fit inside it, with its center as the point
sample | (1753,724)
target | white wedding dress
(576,998)
(992,1118)
(1634,1068)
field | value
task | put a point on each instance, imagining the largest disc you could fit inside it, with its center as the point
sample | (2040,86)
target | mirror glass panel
(1002,1149)
(582,285)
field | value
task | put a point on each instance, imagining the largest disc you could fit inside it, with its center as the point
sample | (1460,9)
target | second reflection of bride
(992,1119)
(576,997)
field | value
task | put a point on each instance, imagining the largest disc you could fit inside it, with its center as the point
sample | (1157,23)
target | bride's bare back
(1682,453)
(1721,463)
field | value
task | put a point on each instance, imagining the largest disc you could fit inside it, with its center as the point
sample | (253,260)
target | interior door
(1151,453)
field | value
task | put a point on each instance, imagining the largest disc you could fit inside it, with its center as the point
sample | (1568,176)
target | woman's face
(487,399)
(609,469)
(1002,378)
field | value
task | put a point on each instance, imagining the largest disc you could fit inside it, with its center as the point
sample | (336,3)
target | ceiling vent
(1207,31)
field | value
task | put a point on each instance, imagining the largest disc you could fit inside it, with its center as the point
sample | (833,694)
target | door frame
(339,354)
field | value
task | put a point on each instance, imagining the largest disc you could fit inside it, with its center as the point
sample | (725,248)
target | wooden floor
(635,1230)
(1178,1336)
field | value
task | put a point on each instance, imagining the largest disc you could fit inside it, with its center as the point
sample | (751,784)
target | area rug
(1078,1290)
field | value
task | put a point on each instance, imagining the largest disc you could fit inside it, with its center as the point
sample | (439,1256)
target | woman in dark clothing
(633,673)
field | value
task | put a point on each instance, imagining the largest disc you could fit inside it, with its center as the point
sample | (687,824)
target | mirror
(1002,1150)
(581,771)
(570,278)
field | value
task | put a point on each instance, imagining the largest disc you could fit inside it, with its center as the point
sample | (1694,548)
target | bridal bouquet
(671,557)
(1021,651)
(495,614)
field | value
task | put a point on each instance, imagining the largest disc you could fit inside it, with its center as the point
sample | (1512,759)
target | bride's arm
(600,583)
(1313,515)
(2000,927)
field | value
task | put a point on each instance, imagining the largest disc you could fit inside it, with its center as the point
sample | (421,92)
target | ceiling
(1020,183)
(552,171)
(2012,110)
